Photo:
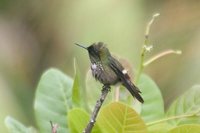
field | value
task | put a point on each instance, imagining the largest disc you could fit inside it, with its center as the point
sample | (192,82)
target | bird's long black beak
(81,46)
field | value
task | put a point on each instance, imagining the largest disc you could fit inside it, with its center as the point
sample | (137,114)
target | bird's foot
(106,87)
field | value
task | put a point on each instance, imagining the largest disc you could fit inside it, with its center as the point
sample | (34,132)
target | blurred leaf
(153,106)
(11,106)
(187,103)
(15,126)
(159,128)
(191,128)
(77,99)
(78,119)
(127,98)
(93,91)
(53,100)
(118,117)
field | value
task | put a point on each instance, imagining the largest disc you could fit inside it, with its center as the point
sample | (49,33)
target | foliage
(117,117)
(190,128)
(153,99)
(186,104)
(53,102)
(65,102)
(78,119)
(16,127)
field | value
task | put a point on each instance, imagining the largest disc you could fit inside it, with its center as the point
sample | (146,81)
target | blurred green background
(36,35)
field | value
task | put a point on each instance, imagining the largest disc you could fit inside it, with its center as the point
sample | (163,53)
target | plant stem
(145,44)
(150,23)
(171,118)
(141,66)
(161,55)
(99,102)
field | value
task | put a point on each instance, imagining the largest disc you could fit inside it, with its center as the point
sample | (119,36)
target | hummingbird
(108,70)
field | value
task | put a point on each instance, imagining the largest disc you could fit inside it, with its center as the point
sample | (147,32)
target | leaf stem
(173,117)
(99,102)
(141,66)
(162,54)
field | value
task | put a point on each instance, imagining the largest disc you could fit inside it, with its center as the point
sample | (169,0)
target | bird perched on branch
(109,71)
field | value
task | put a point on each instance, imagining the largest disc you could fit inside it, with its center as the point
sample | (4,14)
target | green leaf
(77,90)
(153,106)
(78,120)
(15,126)
(119,118)
(93,91)
(188,103)
(53,100)
(190,128)
(159,128)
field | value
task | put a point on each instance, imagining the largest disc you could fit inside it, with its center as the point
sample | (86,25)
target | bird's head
(97,51)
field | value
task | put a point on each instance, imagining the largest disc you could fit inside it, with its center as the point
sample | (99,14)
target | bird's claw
(106,87)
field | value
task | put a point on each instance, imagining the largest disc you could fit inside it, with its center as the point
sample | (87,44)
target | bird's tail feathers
(135,92)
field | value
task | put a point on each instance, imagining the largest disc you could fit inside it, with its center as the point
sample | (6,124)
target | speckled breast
(104,74)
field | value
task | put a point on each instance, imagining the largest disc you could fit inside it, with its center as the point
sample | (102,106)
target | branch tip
(178,52)
(150,23)
(162,54)
(156,15)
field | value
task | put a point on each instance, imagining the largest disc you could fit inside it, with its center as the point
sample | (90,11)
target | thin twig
(146,46)
(170,51)
(150,23)
(99,102)
(54,127)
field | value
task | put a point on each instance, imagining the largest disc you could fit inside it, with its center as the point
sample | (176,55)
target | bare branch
(99,102)
(162,54)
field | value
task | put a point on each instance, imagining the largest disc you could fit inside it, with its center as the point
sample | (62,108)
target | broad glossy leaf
(15,126)
(53,100)
(153,106)
(78,119)
(187,103)
(77,90)
(190,128)
(120,118)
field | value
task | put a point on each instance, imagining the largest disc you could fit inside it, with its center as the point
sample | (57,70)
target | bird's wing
(124,77)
